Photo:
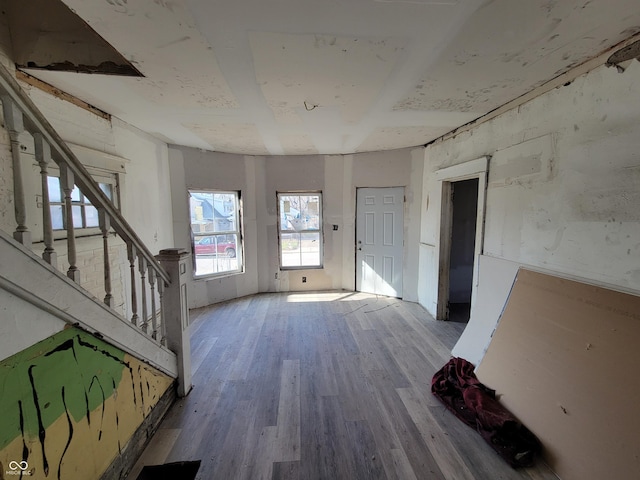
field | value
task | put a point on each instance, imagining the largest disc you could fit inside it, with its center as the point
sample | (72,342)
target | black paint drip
(97,380)
(66,345)
(141,390)
(70,423)
(25,449)
(107,354)
(113,382)
(41,431)
(69,345)
(86,402)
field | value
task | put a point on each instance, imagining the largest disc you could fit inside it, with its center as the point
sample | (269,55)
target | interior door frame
(355,238)
(478,168)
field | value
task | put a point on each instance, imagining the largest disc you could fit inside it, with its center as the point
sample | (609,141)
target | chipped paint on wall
(70,403)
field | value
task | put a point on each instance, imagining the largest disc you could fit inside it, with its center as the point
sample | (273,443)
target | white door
(379,240)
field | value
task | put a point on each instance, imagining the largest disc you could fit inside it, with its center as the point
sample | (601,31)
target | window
(215,227)
(300,230)
(83,213)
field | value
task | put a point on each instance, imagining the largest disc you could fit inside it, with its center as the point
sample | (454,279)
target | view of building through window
(300,230)
(215,226)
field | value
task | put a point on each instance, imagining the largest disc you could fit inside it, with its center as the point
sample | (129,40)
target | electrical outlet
(304,279)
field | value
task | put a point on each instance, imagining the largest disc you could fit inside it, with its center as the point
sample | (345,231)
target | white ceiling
(286,77)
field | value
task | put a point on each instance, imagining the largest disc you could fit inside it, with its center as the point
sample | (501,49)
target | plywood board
(563,360)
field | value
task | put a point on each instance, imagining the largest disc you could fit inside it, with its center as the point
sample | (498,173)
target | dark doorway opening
(464,199)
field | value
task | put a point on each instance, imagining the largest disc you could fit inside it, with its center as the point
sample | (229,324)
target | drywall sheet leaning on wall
(495,278)
(563,360)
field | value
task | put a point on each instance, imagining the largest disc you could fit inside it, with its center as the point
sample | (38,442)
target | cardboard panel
(563,359)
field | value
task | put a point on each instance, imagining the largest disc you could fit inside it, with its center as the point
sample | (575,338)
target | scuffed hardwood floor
(331,385)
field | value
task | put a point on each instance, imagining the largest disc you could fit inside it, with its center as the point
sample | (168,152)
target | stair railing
(149,280)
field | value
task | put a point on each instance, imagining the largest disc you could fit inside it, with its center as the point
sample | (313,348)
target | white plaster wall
(564,184)
(260,178)
(198,169)
(23,324)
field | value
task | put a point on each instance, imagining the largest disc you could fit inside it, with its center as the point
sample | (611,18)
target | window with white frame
(84,214)
(300,229)
(216,232)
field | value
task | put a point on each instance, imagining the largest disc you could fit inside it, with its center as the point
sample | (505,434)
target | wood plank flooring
(332,385)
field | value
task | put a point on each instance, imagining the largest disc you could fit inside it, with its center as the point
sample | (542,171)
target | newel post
(176,312)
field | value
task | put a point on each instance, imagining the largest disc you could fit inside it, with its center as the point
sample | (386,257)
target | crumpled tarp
(457,387)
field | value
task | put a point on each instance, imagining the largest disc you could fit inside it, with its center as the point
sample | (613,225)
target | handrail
(21,114)
(35,122)
(161,279)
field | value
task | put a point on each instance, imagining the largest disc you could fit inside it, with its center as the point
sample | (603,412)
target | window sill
(308,267)
(216,276)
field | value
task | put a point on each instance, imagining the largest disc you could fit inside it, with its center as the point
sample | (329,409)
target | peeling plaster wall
(563,189)
(259,179)
(71,403)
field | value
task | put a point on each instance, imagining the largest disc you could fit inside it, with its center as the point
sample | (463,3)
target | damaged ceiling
(297,77)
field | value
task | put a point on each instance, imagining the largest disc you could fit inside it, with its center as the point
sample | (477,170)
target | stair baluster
(154,319)
(142,267)
(105,225)
(43,156)
(67,181)
(131,255)
(14,122)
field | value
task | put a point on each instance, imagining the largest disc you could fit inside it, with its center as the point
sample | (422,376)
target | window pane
(76,211)
(290,250)
(216,254)
(299,212)
(300,249)
(54,189)
(215,226)
(300,224)
(91,214)
(107,189)
(310,249)
(56,217)
(75,194)
(287,212)
(223,212)
(310,210)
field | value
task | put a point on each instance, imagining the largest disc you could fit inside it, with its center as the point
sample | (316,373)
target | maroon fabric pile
(457,387)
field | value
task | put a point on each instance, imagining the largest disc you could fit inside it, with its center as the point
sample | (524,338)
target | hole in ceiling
(46,34)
